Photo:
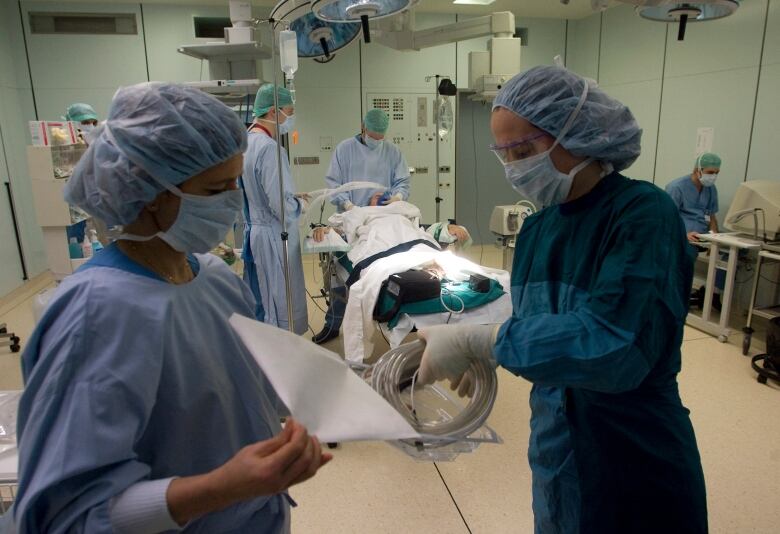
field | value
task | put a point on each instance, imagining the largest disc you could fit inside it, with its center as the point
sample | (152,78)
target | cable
(452,295)
(395,373)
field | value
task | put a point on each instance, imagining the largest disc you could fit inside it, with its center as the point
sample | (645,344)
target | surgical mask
(708,180)
(202,221)
(537,178)
(288,125)
(372,143)
(86,128)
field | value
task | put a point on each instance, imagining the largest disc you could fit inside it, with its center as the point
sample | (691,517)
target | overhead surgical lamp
(684,12)
(317,39)
(359,10)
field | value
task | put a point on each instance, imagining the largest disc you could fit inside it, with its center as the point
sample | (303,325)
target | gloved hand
(450,349)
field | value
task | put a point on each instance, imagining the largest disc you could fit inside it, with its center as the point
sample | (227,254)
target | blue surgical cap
(376,121)
(168,131)
(79,112)
(604,129)
(264,100)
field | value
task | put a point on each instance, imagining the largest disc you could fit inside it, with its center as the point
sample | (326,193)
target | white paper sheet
(322,393)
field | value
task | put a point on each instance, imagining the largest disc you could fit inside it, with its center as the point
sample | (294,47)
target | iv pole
(436,112)
(283,207)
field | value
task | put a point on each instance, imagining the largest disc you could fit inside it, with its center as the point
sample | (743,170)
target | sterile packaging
(9,405)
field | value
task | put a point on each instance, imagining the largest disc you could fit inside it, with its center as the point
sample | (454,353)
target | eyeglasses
(516,150)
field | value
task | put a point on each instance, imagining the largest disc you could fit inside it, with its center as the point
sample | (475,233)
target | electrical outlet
(444,168)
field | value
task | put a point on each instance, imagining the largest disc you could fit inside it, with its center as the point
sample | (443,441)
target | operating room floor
(373,488)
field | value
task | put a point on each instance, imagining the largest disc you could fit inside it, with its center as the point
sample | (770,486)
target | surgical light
(359,10)
(684,12)
(316,39)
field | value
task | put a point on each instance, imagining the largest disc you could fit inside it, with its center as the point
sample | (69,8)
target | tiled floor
(372,488)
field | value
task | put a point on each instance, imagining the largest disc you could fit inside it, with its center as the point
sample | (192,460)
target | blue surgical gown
(263,252)
(130,378)
(353,161)
(599,291)
(695,206)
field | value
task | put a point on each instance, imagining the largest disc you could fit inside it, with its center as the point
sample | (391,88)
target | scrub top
(353,161)
(129,378)
(695,206)
(600,290)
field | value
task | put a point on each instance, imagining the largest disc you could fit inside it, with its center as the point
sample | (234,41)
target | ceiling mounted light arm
(400,33)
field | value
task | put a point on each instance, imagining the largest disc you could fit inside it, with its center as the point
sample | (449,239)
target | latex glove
(347,205)
(450,350)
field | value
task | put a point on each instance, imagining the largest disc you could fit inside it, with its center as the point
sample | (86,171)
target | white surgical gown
(353,161)
(129,378)
(264,228)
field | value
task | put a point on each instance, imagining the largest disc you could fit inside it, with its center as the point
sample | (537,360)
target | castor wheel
(3,330)
(722,338)
(746,345)
(761,379)
(333,445)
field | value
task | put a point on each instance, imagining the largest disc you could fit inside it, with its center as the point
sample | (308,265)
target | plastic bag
(9,406)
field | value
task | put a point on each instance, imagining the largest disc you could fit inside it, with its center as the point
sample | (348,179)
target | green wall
(724,75)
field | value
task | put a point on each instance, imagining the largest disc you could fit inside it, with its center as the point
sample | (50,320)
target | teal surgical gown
(600,288)
(353,161)
(263,252)
(130,378)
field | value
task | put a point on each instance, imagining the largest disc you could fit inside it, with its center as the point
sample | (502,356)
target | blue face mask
(372,143)
(537,179)
(202,221)
(288,125)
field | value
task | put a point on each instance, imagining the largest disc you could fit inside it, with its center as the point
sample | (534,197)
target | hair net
(376,121)
(80,112)
(708,159)
(168,131)
(264,100)
(604,129)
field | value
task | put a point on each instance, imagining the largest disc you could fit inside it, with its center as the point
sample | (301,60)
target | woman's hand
(458,232)
(264,468)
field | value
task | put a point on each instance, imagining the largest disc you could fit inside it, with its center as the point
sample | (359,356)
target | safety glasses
(516,150)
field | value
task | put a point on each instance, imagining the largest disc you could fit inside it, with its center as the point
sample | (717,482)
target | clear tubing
(399,366)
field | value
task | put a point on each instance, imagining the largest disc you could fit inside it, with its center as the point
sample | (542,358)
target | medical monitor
(763,194)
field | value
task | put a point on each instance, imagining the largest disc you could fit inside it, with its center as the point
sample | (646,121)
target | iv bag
(446,117)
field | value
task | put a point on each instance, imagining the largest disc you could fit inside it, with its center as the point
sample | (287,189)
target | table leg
(709,285)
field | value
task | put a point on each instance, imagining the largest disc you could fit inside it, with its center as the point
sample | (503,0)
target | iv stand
(438,181)
(283,204)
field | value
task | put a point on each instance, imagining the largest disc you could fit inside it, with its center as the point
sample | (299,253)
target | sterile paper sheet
(322,393)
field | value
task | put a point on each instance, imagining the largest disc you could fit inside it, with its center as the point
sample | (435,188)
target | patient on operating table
(392,217)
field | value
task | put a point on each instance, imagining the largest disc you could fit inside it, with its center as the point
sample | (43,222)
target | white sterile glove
(347,205)
(450,349)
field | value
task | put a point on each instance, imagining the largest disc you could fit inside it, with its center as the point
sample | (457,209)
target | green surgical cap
(80,112)
(376,121)
(264,100)
(708,159)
